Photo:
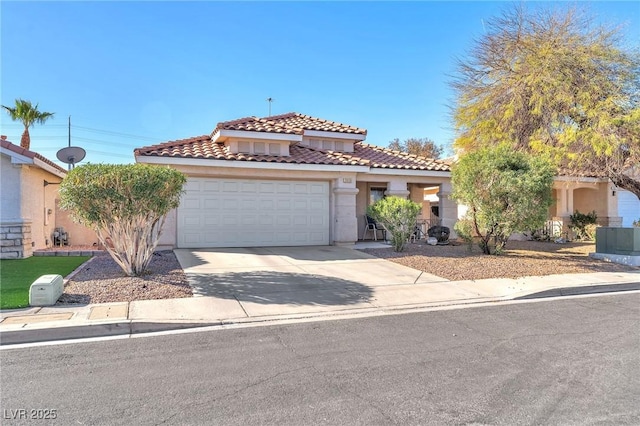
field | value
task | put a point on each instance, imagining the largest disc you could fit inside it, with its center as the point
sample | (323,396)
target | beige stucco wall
(79,235)
(9,190)
(38,203)
(169,235)
(586,200)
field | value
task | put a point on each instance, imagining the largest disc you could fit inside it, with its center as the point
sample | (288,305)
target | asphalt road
(569,362)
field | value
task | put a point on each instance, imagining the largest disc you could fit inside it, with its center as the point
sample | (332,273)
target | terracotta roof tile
(29,154)
(290,123)
(203,147)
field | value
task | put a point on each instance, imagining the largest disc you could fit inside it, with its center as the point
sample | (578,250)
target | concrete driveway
(281,280)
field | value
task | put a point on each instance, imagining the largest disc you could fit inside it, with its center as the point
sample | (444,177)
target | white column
(448,207)
(569,201)
(345,229)
(397,188)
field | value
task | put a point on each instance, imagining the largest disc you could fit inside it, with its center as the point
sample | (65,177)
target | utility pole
(270,100)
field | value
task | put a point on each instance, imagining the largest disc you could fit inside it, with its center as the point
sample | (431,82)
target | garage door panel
(318,189)
(230,220)
(316,221)
(264,220)
(267,188)
(192,186)
(190,203)
(300,220)
(316,236)
(192,220)
(228,186)
(267,204)
(301,189)
(191,237)
(283,220)
(246,213)
(210,186)
(211,204)
(301,205)
(284,188)
(211,221)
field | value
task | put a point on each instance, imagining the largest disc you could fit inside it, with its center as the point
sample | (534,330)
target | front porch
(432,195)
(583,195)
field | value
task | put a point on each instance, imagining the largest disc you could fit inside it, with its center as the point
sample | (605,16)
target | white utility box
(46,290)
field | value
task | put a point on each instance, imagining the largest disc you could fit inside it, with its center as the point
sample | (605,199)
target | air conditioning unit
(46,290)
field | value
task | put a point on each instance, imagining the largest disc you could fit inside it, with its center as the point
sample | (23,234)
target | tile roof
(29,154)
(290,123)
(202,147)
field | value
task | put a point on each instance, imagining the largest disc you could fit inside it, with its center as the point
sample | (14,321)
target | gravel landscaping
(102,280)
(522,258)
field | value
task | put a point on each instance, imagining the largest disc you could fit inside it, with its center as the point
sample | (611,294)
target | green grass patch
(17,275)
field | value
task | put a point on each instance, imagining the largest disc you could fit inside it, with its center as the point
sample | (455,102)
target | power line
(88,140)
(92,130)
(110,132)
(91,151)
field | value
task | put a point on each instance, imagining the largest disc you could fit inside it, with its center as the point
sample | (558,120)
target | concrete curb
(575,291)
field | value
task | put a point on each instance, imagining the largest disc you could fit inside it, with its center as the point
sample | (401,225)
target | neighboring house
(27,212)
(288,180)
(585,194)
(28,203)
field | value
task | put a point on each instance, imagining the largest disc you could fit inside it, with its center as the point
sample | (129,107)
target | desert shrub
(398,216)
(583,225)
(464,229)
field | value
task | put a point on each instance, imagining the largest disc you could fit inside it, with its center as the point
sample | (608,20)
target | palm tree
(28,115)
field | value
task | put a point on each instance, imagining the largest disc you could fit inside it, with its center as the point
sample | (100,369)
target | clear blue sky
(136,73)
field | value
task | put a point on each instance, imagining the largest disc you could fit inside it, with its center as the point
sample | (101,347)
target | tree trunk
(25,140)
(626,182)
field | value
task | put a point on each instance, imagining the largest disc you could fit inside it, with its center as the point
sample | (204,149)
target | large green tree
(553,81)
(125,205)
(28,115)
(423,147)
(506,191)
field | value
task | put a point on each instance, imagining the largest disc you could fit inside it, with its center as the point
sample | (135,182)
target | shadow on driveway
(267,287)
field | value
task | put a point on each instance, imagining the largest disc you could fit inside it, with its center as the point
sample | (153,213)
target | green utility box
(623,241)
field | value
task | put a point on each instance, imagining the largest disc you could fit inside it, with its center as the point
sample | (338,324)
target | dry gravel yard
(102,280)
(522,258)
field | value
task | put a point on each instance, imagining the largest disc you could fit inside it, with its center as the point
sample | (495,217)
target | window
(258,147)
(244,147)
(274,149)
(376,194)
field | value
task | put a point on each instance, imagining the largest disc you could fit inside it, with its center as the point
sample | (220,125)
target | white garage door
(253,213)
(628,207)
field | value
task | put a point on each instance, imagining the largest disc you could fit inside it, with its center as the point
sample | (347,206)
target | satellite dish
(71,155)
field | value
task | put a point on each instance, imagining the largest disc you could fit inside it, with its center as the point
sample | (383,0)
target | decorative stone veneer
(50,253)
(15,240)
